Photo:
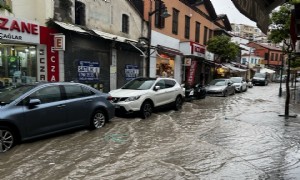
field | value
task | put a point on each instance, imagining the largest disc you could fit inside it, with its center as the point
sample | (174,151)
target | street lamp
(164,14)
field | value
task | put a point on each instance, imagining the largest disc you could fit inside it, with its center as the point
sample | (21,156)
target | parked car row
(35,110)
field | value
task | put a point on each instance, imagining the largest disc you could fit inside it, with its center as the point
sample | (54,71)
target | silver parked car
(220,87)
(239,84)
(31,111)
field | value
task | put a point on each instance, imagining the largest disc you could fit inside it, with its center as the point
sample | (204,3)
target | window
(169,83)
(175,21)
(197,33)
(187,27)
(79,13)
(159,20)
(205,35)
(276,57)
(125,23)
(210,35)
(74,91)
(47,94)
(272,56)
(161,84)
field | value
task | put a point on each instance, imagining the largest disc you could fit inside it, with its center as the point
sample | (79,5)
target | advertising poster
(131,71)
(88,71)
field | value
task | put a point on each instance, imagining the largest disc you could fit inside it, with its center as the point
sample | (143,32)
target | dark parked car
(31,111)
(220,87)
(195,92)
(260,79)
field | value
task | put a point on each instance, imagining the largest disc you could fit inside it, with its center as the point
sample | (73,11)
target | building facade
(178,42)
(100,41)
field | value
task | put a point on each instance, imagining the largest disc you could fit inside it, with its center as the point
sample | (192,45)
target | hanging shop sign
(187,61)
(19,30)
(131,71)
(197,49)
(191,73)
(47,39)
(88,71)
(59,42)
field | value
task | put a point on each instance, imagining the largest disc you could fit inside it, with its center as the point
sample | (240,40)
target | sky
(233,14)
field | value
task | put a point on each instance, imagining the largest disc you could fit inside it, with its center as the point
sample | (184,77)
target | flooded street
(237,137)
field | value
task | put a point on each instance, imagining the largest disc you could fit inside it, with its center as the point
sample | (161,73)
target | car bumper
(127,107)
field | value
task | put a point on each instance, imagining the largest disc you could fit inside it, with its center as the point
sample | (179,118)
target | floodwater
(237,137)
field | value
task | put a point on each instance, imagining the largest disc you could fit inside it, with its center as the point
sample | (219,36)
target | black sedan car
(31,111)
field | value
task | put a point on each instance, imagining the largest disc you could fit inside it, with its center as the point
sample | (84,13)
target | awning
(234,68)
(102,34)
(171,51)
(266,70)
(258,10)
(113,36)
(70,27)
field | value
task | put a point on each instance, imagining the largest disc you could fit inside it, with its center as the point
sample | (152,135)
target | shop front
(166,61)
(196,68)
(21,58)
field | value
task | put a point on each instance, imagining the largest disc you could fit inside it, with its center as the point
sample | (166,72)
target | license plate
(117,106)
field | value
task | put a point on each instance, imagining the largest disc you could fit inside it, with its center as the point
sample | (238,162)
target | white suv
(143,94)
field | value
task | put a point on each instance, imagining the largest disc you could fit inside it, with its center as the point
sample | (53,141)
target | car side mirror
(34,102)
(156,88)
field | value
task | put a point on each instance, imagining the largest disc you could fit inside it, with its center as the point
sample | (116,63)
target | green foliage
(223,48)
(280,24)
(5,7)
(295,63)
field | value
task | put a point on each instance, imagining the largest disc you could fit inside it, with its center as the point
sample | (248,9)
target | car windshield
(139,84)
(236,80)
(10,94)
(260,75)
(217,82)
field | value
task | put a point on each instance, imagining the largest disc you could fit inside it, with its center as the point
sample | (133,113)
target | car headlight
(133,98)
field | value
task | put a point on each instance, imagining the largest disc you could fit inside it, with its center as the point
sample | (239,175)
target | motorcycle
(197,91)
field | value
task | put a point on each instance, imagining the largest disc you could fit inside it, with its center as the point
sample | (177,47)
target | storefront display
(165,66)
(18,64)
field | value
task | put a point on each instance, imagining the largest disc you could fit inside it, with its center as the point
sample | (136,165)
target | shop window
(165,66)
(79,13)
(18,64)
(125,23)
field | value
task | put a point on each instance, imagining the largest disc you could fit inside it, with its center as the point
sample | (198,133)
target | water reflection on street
(237,137)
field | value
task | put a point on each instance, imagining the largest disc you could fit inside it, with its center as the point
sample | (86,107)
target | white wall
(36,10)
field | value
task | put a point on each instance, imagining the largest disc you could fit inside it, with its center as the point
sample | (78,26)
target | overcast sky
(234,16)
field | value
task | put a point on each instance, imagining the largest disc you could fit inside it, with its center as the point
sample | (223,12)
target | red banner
(47,38)
(191,73)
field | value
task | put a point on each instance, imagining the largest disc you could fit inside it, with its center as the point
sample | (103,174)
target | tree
(223,48)
(280,32)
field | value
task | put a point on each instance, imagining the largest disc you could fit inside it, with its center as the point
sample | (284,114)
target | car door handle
(61,106)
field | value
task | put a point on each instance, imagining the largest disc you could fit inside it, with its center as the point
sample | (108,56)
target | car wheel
(7,139)
(98,120)
(146,110)
(178,103)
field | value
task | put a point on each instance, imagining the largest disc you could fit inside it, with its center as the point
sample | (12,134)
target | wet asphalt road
(237,137)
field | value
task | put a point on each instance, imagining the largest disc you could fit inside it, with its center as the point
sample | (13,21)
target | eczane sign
(19,30)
